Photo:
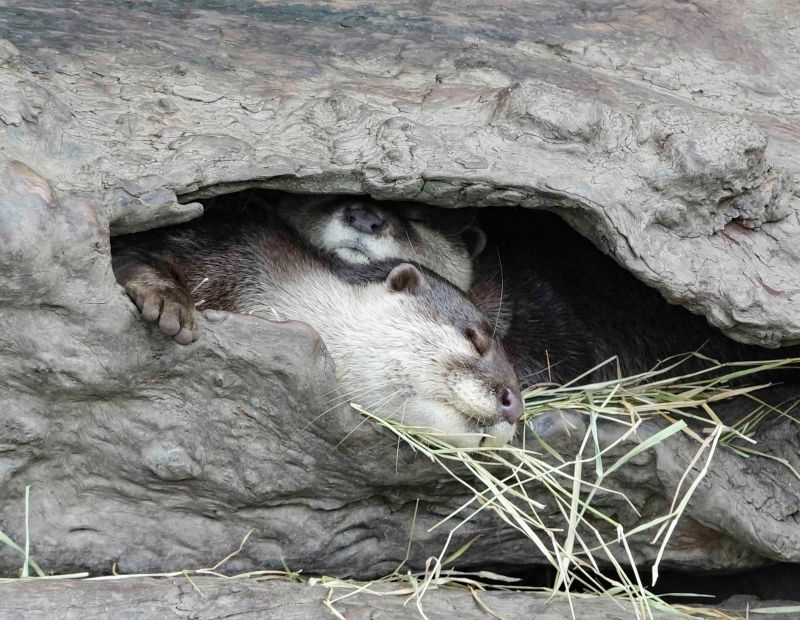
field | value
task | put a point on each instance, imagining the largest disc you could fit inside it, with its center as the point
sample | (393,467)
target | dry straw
(501,479)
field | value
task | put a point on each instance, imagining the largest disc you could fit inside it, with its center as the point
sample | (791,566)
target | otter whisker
(357,426)
(338,389)
(413,250)
(466,226)
(547,369)
(377,406)
(397,448)
(500,301)
(361,392)
(343,396)
(346,398)
(377,446)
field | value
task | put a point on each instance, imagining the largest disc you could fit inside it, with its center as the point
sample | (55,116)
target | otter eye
(477,339)
(418,216)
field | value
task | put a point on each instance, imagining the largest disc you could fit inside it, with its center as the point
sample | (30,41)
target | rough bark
(208,597)
(676,157)
(666,133)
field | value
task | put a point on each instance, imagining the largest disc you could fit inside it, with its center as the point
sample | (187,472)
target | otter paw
(171,307)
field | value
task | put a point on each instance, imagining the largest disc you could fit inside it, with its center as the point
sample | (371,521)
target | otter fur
(359,230)
(566,307)
(410,344)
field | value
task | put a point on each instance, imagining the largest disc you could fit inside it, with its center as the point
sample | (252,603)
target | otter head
(430,358)
(360,231)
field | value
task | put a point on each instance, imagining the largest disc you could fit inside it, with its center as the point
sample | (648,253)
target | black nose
(364,220)
(510,404)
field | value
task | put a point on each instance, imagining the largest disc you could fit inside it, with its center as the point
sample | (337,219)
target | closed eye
(478,340)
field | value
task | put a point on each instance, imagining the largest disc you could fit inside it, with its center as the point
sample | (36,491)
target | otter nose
(364,220)
(510,404)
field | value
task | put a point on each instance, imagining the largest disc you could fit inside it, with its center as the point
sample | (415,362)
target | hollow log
(675,155)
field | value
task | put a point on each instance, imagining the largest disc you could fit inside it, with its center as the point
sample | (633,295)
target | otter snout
(364,220)
(510,404)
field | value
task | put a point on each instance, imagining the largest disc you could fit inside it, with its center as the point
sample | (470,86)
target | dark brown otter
(567,307)
(359,230)
(409,343)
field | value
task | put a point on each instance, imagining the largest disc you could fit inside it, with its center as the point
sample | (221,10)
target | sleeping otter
(409,343)
(567,307)
(360,231)
(560,305)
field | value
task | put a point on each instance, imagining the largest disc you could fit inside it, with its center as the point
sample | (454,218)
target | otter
(360,231)
(559,304)
(409,343)
(566,307)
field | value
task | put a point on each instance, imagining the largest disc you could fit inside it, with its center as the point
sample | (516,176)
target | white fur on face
(475,398)
(454,427)
(337,236)
(441,254)
(394,360)
(352,256)
(409,363)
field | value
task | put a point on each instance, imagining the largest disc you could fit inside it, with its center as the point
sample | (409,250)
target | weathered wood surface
(666,132)
(619,116)
(207,597)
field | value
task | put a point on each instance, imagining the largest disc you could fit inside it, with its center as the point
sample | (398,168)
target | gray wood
(207,597)
(665,133)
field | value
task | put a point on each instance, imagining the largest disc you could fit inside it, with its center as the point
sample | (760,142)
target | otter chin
(354,256)
(460,429)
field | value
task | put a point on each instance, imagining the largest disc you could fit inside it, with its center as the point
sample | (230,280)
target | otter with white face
(408,343)
(361,231)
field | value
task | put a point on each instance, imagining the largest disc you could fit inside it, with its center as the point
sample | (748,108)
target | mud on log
(677,157)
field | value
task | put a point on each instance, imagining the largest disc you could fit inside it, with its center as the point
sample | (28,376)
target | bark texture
(206,598)
(675,153)
(667,133)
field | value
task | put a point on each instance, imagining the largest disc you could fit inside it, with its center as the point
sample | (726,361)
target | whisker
(397,448)
(413,251)
(345,398)
(357,426)
(502,284)
(547,369)
(465,226)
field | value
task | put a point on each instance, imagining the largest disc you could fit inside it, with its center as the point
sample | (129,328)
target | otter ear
(406,278)
(475,240)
